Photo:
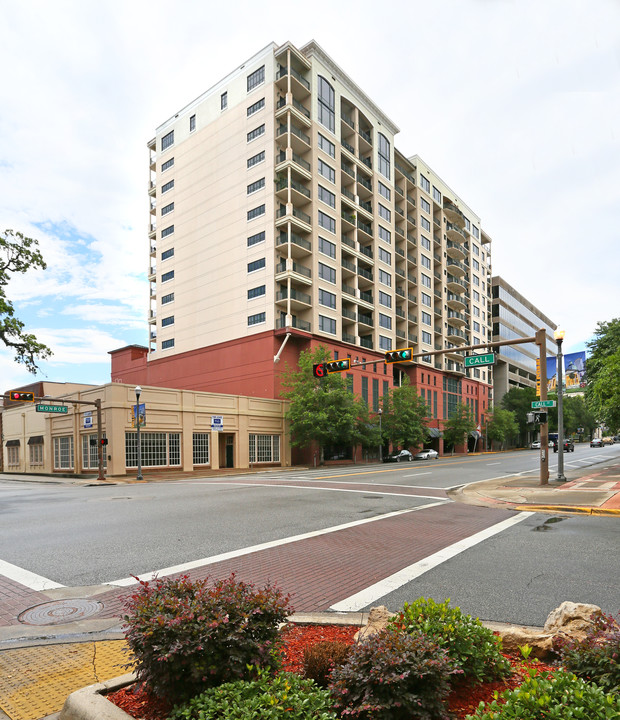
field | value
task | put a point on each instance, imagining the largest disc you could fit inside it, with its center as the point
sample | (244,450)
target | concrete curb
(569,509)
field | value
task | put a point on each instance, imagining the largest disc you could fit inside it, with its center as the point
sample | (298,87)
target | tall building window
(327,197)
(167,321)
(327,146)
(426,281)
(327,104)
(255,239)
(475,231)
(384,156)
(385,343)
(256,78)
(426,318)
(385,299)
(327,273)
(167,165)
(425,224)
(167,208)
(327,325)
(425,242)
(327,299)
(167,344)
(436,195)
(385,213)
(192,123)
(425,205)
(256,319)
(167,298)
(257,132)
(167,253)
(256,212)
(384,190)
(167,231)
(264,448)
(327,247)
(167,140)
(365,388)
(385,235)
(426,337)
(327,222)
(385,321)
(256,292)
(385,278)
(425,261)
(327,171)
(256,185)
(425,184)
(157,449)
(167,276)
(256,265)
(426,299)
(375,395)
(255,159)
(224,100)
(255,107)
(167,186)
(385,256)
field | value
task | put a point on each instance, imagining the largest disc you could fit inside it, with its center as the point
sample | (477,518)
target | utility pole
(559,336)
(541,341)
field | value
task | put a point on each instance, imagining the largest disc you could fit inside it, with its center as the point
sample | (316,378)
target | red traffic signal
(104,441)
(21,396)
(335,366)
(398,355)
(318,370)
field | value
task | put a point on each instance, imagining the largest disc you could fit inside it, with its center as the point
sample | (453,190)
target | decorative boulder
(378,619)
(571,619)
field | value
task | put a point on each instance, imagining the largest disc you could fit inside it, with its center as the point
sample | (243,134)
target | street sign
(52,408)
(543,403)
(217,422)
(477,360)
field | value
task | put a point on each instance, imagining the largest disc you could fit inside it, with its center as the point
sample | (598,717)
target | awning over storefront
(434,432)
(13,443)
(36,440)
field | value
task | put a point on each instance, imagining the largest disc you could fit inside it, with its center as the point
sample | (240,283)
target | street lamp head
(138,391)
(380,411)
(558,335)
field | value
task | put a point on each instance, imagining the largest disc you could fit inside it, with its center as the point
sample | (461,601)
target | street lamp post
(559,336)
(138,393)
(380,436)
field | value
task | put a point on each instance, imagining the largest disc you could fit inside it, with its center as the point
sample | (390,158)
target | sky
(515,104)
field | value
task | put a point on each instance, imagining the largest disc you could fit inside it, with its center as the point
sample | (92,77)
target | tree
(501,425)
(404,416)
(519,401)
(601,373)
(18,254)
(324,410)
(605,392)
(457,427)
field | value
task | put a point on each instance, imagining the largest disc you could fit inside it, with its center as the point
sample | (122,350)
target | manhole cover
(58,612)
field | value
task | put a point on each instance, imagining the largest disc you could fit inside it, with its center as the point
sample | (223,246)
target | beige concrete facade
(278,199)
(179,432)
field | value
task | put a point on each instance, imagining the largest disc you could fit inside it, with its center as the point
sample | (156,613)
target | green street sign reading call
(52,408)
(477,360)
(543,403)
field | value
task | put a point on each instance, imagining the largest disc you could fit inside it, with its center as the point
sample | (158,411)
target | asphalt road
(78,536)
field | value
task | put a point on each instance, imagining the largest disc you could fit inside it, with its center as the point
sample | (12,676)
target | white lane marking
(418,474)
(339,489)
(497,463)
(27,578)
(372,593)
(263,546)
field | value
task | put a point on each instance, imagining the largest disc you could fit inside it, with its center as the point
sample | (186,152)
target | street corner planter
(90,703)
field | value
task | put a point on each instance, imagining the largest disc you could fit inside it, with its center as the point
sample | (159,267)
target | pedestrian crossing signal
(399,355)
(21,396)
(318,370)
(335,366)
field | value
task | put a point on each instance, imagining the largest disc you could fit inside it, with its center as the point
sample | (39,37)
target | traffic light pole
(97,404)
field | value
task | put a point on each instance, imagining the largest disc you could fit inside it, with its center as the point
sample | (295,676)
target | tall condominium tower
(282,216)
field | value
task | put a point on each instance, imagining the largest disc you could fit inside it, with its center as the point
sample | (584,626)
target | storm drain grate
(57,612)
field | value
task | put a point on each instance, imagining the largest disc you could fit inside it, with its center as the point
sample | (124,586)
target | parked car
(535,445)
(569,446)
(596,442)
(428,454)
(399,456)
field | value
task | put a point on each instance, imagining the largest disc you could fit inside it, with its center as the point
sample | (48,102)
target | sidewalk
(40,665)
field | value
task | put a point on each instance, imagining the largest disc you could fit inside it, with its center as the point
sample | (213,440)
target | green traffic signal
(338,365)
(399,355)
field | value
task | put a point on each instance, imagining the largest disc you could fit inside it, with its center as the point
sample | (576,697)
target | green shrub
(597,656)
(187,635)
(393,676)
(285,696)
(472,647)
(321,658)
(559,696)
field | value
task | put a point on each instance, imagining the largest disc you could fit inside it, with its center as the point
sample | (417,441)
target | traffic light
(398,355)
(335,366)
(542,417)
(104,441)
(21,396)
(318,370)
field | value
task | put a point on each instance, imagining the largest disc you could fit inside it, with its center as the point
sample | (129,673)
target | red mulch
(464,699)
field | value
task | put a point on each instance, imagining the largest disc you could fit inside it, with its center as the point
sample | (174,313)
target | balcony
(348,338)
(365,319)
(295,323)
(456,318)
(366,342)
(455,367)
(453,214)
(455,267)
(290,268)
(455,250)
(298,299)
(456,336)
(366,297)
(455,284)
(455,233)
(349,290)
(349,315)
(456,302)
(289,213)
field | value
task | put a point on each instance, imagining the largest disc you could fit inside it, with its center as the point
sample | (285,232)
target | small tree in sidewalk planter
(457,427)
(190,635)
